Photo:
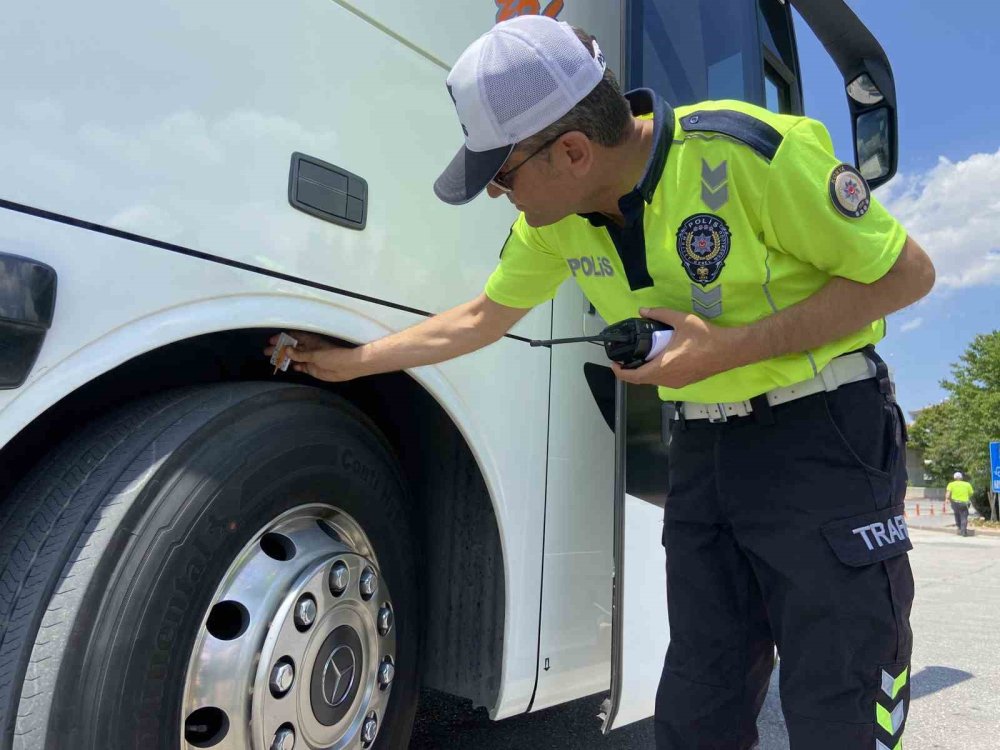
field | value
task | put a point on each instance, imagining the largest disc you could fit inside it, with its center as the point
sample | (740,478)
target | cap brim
(469,173)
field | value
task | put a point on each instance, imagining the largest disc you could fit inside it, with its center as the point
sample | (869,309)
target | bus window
(777,91)
(693,51)
(714,49)
(776,31)
(781,88)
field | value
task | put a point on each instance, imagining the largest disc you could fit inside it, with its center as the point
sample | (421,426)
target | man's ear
(575,153)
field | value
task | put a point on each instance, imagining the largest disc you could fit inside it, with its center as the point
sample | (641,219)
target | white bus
(197,552)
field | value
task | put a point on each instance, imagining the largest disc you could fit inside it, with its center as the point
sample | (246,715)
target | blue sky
(947,189)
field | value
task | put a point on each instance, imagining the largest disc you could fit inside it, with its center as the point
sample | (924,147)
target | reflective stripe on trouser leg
(891,704)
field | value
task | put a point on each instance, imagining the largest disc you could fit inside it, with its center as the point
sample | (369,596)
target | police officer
(959,494)
(738,227)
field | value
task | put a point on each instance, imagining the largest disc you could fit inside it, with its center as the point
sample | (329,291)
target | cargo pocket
(870,537)
(878,542)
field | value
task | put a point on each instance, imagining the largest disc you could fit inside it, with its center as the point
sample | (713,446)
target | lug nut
(339,577)
(369,584)
(282,677)
(384,620)
(385,674)
(305,612)
(370,729)
(284,739)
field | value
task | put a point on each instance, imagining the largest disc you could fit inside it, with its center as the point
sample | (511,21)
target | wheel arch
(452,479)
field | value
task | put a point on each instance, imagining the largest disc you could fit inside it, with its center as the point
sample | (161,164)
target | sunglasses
(503,181)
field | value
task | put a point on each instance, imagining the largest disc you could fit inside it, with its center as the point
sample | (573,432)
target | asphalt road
(955,688)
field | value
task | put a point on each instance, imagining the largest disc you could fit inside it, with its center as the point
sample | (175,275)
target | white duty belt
(849,368)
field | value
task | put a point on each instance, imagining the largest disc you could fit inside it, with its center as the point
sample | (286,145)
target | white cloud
(953,211)
(911,325)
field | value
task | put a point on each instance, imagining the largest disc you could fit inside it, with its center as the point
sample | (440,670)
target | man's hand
(697,350)
(700,349)
(460,330)
(319,357)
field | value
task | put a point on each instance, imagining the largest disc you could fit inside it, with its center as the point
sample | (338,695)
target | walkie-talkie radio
(631,342)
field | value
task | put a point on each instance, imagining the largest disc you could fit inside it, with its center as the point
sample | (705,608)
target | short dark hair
(603,115)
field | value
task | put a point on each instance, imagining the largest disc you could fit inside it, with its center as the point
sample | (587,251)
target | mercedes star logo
(338,675)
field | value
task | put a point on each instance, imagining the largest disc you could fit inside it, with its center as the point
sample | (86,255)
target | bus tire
(218,566)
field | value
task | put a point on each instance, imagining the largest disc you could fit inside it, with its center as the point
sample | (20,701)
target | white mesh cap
(512,82)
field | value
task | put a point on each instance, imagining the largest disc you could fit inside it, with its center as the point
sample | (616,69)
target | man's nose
(492,191)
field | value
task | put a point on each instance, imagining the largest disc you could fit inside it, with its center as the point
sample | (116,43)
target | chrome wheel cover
(270,671)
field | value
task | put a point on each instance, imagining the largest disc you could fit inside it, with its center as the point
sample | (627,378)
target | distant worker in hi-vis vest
(959,494)
(775,266)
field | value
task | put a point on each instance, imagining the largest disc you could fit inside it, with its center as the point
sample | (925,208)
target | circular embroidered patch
(849,191)
(703,244)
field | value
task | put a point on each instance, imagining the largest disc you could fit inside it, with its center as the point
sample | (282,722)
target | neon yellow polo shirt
(741,213)
(961,491)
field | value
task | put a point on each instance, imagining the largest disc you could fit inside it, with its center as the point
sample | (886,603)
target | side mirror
(875,152)
(871,92)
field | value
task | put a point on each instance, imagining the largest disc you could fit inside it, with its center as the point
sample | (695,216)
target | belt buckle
(722,413)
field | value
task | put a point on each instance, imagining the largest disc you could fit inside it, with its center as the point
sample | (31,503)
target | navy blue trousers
(788,534)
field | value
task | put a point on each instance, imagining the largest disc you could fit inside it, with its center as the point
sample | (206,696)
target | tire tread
(59,521)
(48,527)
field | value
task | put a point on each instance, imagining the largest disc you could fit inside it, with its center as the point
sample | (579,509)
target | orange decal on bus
(507,9)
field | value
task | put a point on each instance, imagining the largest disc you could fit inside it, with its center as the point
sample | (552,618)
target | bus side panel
(118,299)
(177,121)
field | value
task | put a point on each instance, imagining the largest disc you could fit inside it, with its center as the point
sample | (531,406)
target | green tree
(955,434)
(937,433)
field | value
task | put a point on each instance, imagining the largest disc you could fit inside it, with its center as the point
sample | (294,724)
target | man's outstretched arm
(460,330)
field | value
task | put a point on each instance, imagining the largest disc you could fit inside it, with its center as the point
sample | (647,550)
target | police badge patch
(703,244)
(849,191)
